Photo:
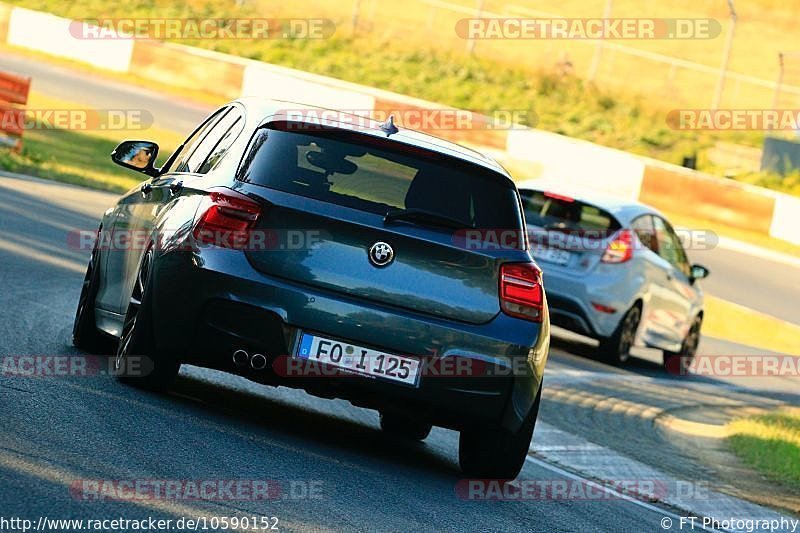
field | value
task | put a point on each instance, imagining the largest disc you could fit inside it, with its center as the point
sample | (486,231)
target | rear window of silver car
(561,213)
(320,165)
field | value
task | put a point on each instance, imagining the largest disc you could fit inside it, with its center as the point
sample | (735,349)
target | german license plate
(359,360)
(551,255)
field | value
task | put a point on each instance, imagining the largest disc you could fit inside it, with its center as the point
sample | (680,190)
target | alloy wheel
(628,333)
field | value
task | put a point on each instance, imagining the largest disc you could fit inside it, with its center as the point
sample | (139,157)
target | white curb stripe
(617,494)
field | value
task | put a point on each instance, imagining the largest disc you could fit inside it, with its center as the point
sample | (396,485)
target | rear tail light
(620,249)
(227,220)
(604,308)
(521,292)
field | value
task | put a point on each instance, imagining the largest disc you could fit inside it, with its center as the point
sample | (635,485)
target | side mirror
(699,272)
(136,155)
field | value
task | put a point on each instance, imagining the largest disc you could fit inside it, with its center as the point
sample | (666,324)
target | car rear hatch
(567,232)
(326,195)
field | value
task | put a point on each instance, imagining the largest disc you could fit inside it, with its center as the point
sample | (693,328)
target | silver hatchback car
(615,270)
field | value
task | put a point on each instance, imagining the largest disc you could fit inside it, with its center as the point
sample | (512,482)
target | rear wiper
(557,226)
(423,217)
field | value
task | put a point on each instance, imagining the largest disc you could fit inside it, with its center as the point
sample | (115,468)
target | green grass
(770,443)
(80,157)
(789,183)
(425,63)
(71,157)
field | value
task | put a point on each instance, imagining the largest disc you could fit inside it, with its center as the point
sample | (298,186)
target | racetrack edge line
(608,490)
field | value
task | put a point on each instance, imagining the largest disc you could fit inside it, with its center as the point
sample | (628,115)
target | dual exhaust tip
(256,361)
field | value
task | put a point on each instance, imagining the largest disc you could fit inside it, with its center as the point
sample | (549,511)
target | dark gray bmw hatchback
(341,256)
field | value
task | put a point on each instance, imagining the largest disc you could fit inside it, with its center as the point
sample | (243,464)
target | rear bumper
(213,302)
(571,295)
(568,313)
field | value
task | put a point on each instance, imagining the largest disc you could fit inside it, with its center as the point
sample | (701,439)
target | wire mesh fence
(680,72)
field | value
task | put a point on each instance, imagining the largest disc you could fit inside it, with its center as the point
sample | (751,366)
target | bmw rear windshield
(361,172)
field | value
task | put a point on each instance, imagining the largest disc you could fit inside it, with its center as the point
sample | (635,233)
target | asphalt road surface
(765,285)
(76,85)
(759,283)
(335,469)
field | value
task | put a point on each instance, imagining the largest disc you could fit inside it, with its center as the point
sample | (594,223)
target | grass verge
(80,157)
(752,237)
(736,323)
(770,443)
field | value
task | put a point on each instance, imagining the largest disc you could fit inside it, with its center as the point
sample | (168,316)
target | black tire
(85,334)
(616,349)
(496,453)
(404,427)
(138,363)
(679,362)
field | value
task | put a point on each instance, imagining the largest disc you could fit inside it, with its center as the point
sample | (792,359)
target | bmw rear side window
(228,129)
(178,162)
(338,169)
(561,213)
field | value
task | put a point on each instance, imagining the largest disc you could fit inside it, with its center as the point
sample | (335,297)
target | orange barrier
(176,66)
(14,91)
(692,193)
(476,129)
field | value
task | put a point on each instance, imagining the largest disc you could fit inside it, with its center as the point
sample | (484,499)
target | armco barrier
(665,186)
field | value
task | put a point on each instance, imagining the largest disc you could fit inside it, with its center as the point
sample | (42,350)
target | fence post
(779,82)
(726,57)
(471,41)
(598,51)
(354,17)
